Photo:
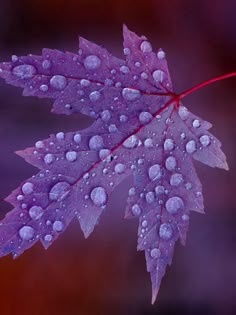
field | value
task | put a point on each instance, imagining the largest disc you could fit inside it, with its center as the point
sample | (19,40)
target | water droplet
(105,154)
(196,123)
(126,51)
(136,210)
(119,168)
(132,191)
(159,190)
(48,238)
(36,212)
(137,64)
(84,82)
(158,75)
(58,190)
(144,223)
(92,62)
(46,64)
(146,47)
(185,217)
(112,128)
(170,163)
(43,88)
(49,158)
(26,233)
(188,186)
(106,115)
(131,142)
(191,146)
(77,138)
(176,179)
(27,188)
(183,112)
(124,69)
(123,118)
(148,143)
(154,172)
(58,226)
(182,135)
(145,117)
(96,143)
(24,71)
(174,204)
(60,136)
(144,75)
(131,94)
(150,197)
(94,96)
(98,196)
(71,156)
(205,140)
(165,231)
(169,145)
(39,145)
(161,54)
(58,82)
(14,58)
(155,253)
(20,197)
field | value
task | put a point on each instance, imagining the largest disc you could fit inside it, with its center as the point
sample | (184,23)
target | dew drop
(124,69)
(188,186)
(159,190)
(158,75)
(49,158)
(77,138)
(43,88)
(46,64)
(136,210)
(196,123)
(14,58)
(174,205)
(106,115)
(191,146)
(132,191)
(168,145)
(123,118)
(131,142)
(27,188)
(205,140)
(58,190)
(119,168)
(150,197)
(165,231)
(105,154)
(131,94)
(94,96)
(170,163)
(26,233)
(36,212)
(154,172)
(24,71)
(58,82)
(126,51)
(161,54)
(98,196)
(58,226)
(96,143)
(145,117)
(148,143)
(84,82)
(60,136)
(176,179)
(155,253)
(112,128)
(71,156)
(48,238)
(39,145)
(92,62)
(144,75)
(144,223)
(183,112)
(146,47)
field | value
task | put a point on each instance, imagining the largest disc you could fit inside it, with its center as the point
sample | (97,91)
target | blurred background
(105,274)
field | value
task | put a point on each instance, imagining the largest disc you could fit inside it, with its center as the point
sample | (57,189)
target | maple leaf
(141,129)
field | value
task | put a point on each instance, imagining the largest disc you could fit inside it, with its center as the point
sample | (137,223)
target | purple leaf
(140,130)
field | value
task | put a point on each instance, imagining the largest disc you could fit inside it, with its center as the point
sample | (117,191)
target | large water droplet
(146,47)
(191,146)
(145,117)
(98,196)
(96,143)
(154,172)
(148,143)
(94,96)
(159,190)
(170,163)
(119,168)
(169,144)
(131,142)
(158,75)
(58,82)
(174,204)
(176,179)
(49,158)
(36,212)
(131,94)
(27,188)
(24,71)
(60,136)
(71,156)
(165,231)
(58,226)
(58,190)
(26,233)
(104,154)
(205,140)
(92,62)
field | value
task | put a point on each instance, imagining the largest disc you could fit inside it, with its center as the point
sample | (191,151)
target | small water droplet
(169,145)
(46,64)
(145,117)
(26,233)
(188,186)
(136,210)
(14,58)
(176,179)
(132,191)
(150,197)
(58,82)
(43,88)
(185,217)
(104,154)
(39,145)
(96,143)
(191,146)
(124,69)
(154,172)
(20,197)
(48,238)
(161,54)
(205,140)
(36,212)
(77,138)
(119,168)
(92,62)
(174,205)
(106,115)
(24,71)
(183,112)
(84,82)
(196,123)
(27,188)
(94,96)
(112,128)
(165,231)
(58,226)
(131,142)
(170,163)
(98,196)
(71,156)
(144,75)
(123,118)
(58,190)
(131,94)
(158,75)
(159,190)
(49,158)
(155,253)
(126,51)
(60,136)
(146,47)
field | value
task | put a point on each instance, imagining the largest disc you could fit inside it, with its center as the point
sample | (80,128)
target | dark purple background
(105,274)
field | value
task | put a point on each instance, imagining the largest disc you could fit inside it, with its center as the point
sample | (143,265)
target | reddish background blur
(105,274)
